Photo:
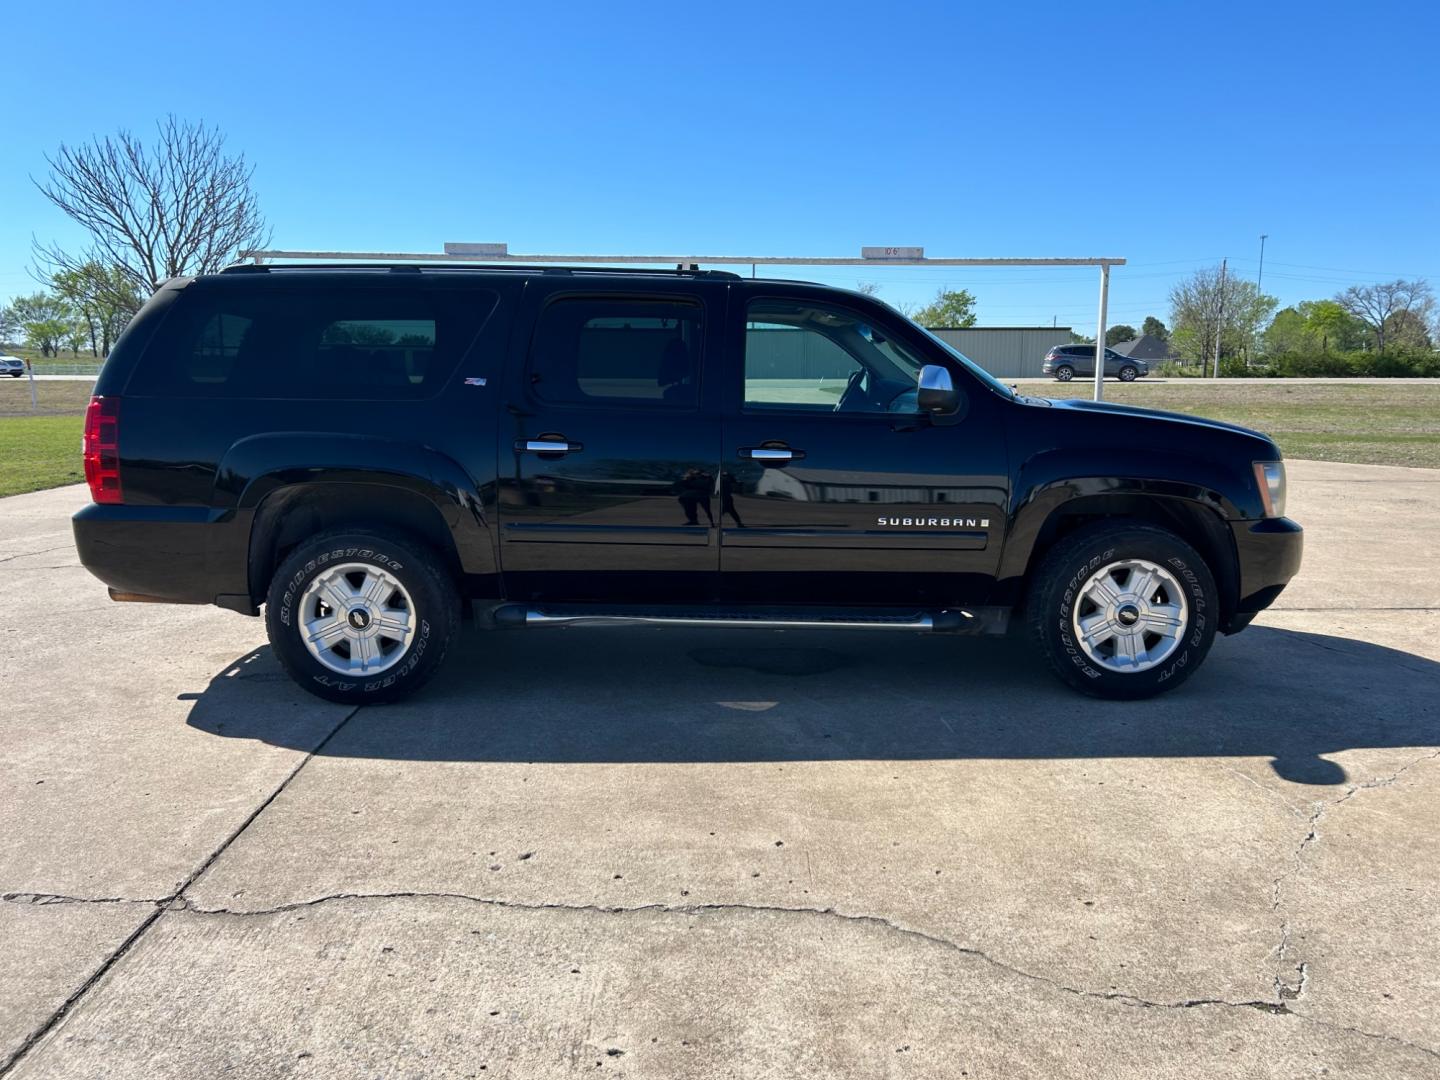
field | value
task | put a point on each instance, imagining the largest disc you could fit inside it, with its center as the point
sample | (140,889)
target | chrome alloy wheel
(356,619)
(1129,615)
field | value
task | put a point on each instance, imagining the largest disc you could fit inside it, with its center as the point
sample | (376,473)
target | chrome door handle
(770,453)
(547,446)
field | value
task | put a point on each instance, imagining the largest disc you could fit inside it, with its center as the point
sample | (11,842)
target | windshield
(979,372)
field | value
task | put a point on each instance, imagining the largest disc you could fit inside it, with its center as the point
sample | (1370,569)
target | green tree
(1204,309)
(46,320)
(1155,328)
(1332,326)
(10,330)
(1118,333)
(105,298)
(950,310)
(1288,332)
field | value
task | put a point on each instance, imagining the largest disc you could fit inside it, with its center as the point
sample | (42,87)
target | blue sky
(1168,134)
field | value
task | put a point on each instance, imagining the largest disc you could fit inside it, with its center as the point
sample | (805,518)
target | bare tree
(181,207)
(1381,307)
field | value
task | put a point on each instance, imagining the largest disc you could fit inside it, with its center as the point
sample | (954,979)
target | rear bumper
(179,554)
(1267,557)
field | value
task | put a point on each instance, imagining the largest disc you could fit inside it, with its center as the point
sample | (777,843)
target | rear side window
(618,350)
(357,344)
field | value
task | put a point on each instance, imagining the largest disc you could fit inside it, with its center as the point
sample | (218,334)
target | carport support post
(1100,332)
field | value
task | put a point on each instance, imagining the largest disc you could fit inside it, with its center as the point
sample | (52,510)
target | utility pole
(1260,274)
(1219,319)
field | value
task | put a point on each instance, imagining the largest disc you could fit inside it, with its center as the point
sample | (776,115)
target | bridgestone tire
(1055,594)
(1064,373)
(436,614)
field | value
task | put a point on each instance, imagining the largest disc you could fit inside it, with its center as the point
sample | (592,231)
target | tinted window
(803,355)
(307,343)
(607,349)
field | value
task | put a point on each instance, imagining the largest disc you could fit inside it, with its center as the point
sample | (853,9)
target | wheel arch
(282,486)
(291,513)
(1186,514)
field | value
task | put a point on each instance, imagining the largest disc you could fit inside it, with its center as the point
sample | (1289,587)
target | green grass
(66,397)
(1373,424)
(38,452)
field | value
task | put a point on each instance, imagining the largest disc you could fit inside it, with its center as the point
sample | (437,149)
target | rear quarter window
(369,343)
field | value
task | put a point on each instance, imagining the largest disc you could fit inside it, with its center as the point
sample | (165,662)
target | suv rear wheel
(1123,610)
(1064,373)
(361,618)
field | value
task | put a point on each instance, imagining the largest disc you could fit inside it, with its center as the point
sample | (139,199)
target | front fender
(1051,484)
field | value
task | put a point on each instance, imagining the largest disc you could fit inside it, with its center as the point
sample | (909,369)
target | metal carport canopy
(498,254)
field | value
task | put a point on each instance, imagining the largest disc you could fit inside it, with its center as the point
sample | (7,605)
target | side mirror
(936,394)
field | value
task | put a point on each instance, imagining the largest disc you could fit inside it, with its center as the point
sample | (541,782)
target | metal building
(1008,352)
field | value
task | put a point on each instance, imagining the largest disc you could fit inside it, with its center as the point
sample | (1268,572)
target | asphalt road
(743,854)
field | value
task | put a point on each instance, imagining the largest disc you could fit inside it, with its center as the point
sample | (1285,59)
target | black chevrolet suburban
(365,451)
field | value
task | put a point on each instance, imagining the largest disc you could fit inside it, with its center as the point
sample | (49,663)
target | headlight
(1270,478)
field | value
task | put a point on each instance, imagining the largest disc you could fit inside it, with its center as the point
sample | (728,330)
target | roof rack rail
(452,268)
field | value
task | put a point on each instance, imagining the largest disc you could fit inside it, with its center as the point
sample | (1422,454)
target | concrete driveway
(742,854)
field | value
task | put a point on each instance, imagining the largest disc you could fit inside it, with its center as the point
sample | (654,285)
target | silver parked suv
(1066,361)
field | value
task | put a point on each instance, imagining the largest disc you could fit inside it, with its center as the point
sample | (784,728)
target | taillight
(101,448)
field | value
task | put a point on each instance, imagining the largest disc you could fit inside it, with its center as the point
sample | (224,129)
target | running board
(951,620)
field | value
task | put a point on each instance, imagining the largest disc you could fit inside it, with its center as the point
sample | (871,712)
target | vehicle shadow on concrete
(665,696)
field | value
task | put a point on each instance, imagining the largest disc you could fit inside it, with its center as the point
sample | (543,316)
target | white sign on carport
(499,254)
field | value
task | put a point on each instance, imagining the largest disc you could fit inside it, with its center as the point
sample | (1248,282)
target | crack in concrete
(42,551)
(1277,1007)
(1354,655)
(1351,608)
(1291,989)
(771,909)
(168,903)
(39,899)
(1270,792)
(1386,781)
(1285,990)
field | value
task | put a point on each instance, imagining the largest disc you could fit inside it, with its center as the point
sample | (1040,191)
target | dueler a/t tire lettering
(436,614)
(1055,592)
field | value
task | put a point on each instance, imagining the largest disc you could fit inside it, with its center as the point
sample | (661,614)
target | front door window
(805,356)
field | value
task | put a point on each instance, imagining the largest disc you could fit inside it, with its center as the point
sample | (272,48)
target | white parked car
(12,366)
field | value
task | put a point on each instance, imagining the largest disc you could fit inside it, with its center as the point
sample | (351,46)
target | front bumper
(1267,556)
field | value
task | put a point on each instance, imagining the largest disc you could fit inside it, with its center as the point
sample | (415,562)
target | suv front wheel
(1128,373)
(361,618)
(1123,610)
